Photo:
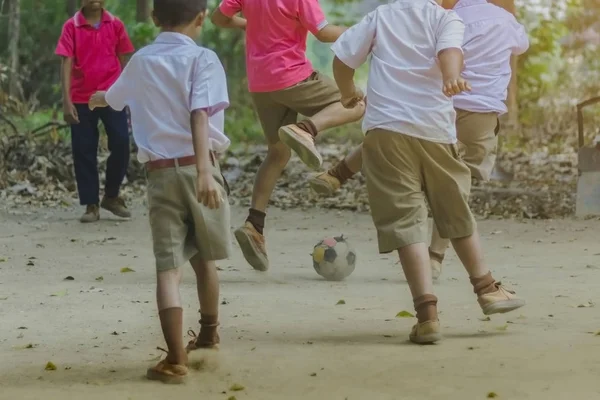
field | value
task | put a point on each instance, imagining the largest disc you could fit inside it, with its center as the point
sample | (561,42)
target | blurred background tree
(561,67)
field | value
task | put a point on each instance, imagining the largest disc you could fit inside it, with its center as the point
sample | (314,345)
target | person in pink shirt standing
(492,35)
(93,46)
(283,84)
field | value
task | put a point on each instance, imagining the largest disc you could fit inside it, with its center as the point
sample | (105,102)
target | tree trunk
(71,7)
(14,27)
(142,11)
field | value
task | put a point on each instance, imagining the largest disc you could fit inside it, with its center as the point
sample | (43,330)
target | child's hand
(98,99)
(353,99)
(207,191)
(453,87)
(70,113)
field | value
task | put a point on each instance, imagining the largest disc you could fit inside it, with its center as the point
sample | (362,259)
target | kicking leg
(207,283)
(173,368)
(250,236)
(319,99)
(327,183)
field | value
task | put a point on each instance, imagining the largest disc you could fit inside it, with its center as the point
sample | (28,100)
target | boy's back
(492,35)
(162,83)
(405,82)
(276,34)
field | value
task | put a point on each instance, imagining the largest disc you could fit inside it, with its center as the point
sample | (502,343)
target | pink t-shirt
(276,39)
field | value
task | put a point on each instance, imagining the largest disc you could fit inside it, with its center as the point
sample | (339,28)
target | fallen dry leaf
(340,302)
(126,269)
(236,387)
(492,395)
(100,278)
(50,366)
(69,278)
(404,314)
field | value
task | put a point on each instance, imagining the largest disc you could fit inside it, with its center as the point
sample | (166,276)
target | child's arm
(66,50)
(225,15)
(208,97)
(124,45)
(69,110)
(207,189)
(351,51)
(116,96)
(450,36)
(311,16)
(223,21)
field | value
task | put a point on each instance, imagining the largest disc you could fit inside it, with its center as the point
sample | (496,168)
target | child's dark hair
(171,13)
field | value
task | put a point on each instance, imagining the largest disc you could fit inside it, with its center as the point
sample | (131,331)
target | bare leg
(336,115)
(415,263)
(470,253)
(207,282)
(437,251)
(268,173)
(354,159)
(171,314)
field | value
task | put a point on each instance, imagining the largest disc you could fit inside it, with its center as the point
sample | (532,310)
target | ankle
(308,126)
(483,284)
(257,219)
(177,357)
(426,308)
(341,172)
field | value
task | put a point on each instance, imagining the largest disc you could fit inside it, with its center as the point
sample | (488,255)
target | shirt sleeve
(209,85)
(117,95)
(230,7)
(124,45)
(450,33)
(311,15)
(66,41)
(355,44)
(522,40)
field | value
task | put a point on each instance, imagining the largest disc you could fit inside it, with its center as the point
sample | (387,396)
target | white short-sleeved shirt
(404,91)
(492,35)
(162,84)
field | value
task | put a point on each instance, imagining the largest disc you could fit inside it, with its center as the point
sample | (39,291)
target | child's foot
(253,246)
(436,264)
(92,214)
(324,184)
(303,144)
(167,373)
(203,341)
(115,205)
(500,301)
(426,332)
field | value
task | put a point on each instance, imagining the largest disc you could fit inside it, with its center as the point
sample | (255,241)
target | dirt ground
(283,336)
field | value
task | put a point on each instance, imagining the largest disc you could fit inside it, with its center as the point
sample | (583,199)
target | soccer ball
(333,258)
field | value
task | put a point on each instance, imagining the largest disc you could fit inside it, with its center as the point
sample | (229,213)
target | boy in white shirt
(492,35)
(410,153)
(177,94)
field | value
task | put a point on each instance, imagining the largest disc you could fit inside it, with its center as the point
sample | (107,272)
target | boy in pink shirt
(283,84)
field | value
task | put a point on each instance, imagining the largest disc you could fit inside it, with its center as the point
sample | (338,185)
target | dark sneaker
(92,214)
(253,246)
(302,143)
(115,205)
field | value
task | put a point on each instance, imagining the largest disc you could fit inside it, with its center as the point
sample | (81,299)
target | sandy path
(280,328)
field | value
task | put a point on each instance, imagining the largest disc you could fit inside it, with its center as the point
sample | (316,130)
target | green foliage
(539,69)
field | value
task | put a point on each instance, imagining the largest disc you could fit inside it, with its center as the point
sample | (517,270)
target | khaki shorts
(402,172)
(183,228)
(280,108)
(478,141)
